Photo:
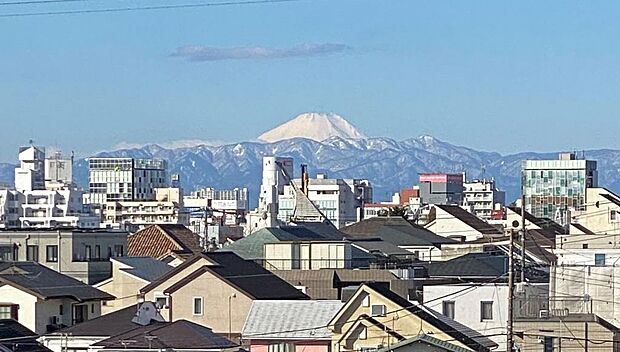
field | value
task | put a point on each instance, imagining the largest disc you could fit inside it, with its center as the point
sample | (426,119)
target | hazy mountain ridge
(389,164)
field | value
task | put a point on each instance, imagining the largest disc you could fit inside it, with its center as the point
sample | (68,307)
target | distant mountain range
(389,164)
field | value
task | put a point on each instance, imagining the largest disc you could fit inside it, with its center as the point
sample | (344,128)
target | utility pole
(509,340)
(523,237)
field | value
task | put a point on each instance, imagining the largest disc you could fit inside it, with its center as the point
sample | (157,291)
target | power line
(146,8)
(38,2)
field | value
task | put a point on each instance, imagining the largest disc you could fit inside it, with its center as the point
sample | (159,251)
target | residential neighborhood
(309,176)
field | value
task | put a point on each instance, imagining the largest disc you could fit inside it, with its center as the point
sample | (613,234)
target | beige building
(375,317)
(129,275)
(570,333)
(308,255)
(44,300)
(216,289)
(80,253)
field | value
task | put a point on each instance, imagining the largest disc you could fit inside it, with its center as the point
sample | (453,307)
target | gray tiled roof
(146,268)
(290,319)
(426,339)
(46,283)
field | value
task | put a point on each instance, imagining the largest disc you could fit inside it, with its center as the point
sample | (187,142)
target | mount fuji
(327,143)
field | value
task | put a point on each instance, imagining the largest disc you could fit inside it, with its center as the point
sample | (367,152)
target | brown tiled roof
(471,220)
(160,240)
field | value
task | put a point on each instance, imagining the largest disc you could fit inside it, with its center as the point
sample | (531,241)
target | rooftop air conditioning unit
(543,313)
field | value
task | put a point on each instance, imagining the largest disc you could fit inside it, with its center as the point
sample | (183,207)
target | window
(118,250)
(97,252)
(88,252)
(548,344)
(8,253)
(8,311)
(51,255)
(161,302)
(366,301)
(281,347)
(613,215)
(378,310)
(363,333)
(599,259)
(486,310)
(32,253)
(448,309)
(197,305)
(584,246)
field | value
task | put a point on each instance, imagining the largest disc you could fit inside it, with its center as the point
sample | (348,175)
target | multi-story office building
(217,210)
(482,197)
(125,179)
(441,189)
(554,188)
(340,200)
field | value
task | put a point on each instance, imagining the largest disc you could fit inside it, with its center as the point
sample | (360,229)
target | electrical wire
(147,8)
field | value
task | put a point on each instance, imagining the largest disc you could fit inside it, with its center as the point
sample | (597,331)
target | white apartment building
(481,197)
(165,208)
(340,200)
(125,179)
(44,198)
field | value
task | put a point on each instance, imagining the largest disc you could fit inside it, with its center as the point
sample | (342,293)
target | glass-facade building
(125,179)
(552,188)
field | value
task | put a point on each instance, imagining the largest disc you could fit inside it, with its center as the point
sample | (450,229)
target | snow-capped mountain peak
(315,126)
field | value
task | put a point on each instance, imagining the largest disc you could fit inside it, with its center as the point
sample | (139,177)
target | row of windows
(11,253)
(486,309)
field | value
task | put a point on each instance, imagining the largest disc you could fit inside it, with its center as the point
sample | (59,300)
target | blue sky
(531,75)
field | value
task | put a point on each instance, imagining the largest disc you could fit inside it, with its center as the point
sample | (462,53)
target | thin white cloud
(209,53)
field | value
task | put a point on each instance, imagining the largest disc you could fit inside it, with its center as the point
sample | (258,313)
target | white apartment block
(165,208)
(481,197)
(340,200)
(44,198)
(216,207)
(125,179)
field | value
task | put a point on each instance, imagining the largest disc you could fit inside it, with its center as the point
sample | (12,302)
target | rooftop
(45,283)
(17,338)
(290,319)
(161,239)
(181,334)
(471,220)
(145,268)
(395,230)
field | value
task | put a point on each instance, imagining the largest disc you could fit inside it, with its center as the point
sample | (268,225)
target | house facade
(44,300)
(80,253)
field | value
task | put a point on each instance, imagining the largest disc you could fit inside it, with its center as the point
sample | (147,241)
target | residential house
(44,300)
(81,337)
(171,242)
(216,289)
(80,253)
(424,244)
(298,247)
(455,222)
(129,275)
(339,284)
(568,333)
(15,337)
(375,317)
(180,335)
(514,217)
(293,326)
(485,307)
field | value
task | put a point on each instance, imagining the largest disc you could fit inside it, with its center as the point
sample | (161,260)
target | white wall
(467,307)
